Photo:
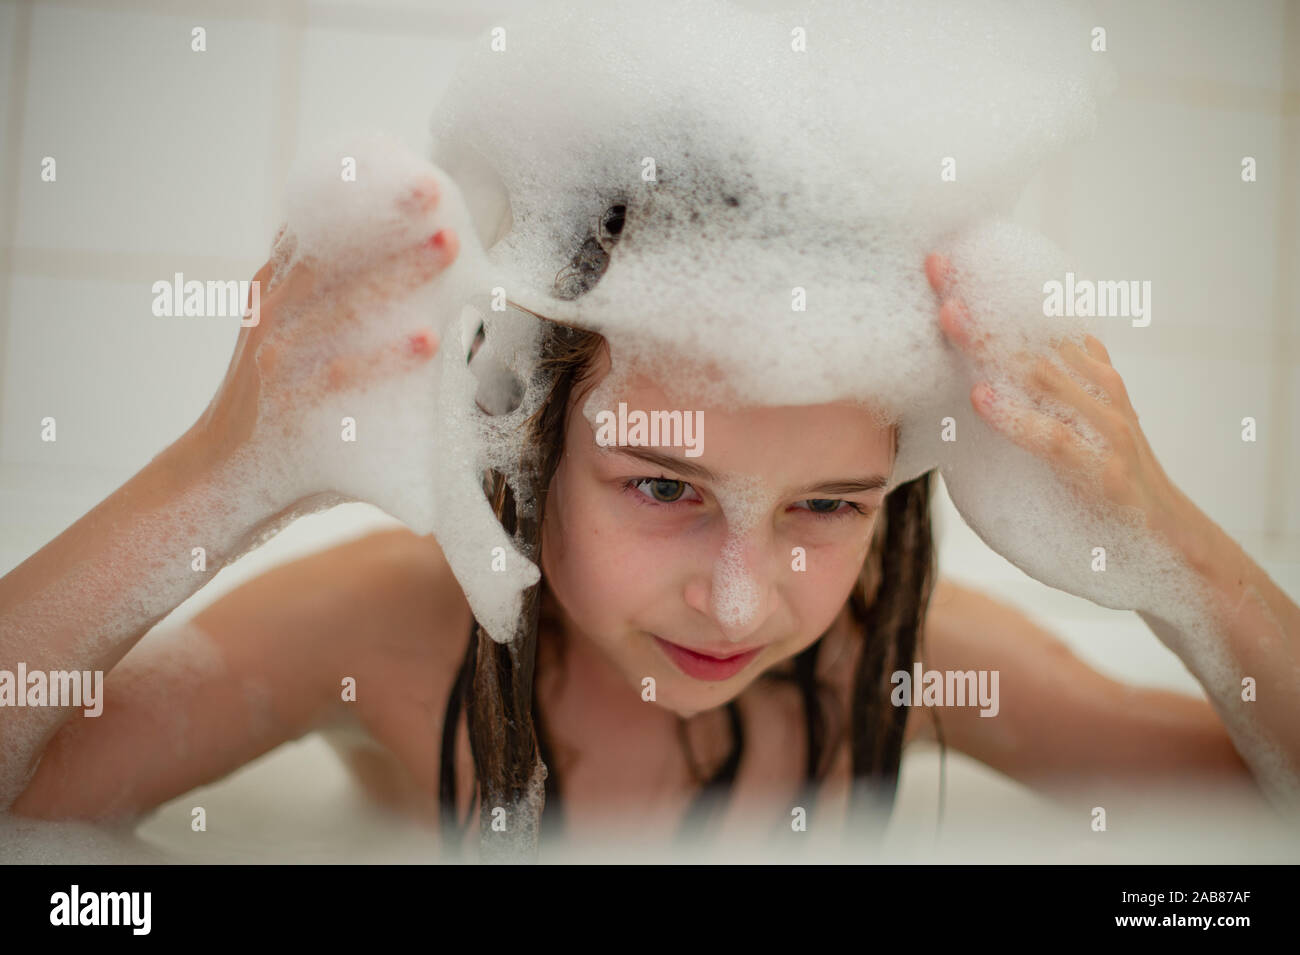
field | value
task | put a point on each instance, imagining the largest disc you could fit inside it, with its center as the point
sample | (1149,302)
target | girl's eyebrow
(872,482)
(680,465)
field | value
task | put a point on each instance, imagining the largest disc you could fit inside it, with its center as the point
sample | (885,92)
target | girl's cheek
(828,574)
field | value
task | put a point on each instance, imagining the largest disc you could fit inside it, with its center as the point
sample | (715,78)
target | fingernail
(421,343)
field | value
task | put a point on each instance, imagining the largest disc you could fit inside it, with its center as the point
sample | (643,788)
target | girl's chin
(686,712)
(686,704)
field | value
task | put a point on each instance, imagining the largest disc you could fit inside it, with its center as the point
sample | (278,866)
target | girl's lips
(702,667)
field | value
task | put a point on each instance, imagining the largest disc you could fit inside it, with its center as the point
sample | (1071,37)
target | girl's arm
(259,667)
(82,601)
(1250,666)
(232,481)
(1061,727)
(1238,634)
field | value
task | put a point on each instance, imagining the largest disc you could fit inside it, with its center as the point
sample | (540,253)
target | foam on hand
(353,207)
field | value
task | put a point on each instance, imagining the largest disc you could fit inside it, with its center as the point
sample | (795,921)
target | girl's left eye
(831,508)
(666,491)
(661,490)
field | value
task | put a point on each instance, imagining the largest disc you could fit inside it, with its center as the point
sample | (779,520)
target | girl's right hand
(297,349)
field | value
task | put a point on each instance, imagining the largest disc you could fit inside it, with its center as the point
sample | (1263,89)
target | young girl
(670,648)
(788,707)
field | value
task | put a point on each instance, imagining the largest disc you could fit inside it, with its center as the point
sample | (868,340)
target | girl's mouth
(703,666)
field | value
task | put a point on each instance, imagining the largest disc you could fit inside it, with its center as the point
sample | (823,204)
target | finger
(422,198)
(299,284)
(1096,349)
(351,371)
(407,270)
(1045,378)
(419,266)
(1102,374)
(420,346)
(1040,434)
(939,271)
(957,324)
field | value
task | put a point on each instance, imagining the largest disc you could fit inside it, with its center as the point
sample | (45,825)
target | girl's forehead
(662,385)
(751,455)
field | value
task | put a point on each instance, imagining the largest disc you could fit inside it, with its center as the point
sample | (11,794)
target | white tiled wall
(170,161)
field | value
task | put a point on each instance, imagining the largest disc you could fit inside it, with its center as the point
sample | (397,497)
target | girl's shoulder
(837,663)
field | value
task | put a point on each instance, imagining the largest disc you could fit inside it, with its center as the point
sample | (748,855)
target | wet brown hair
(496,682)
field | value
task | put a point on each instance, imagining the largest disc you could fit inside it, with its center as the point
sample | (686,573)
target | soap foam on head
(779,202)
(774,170)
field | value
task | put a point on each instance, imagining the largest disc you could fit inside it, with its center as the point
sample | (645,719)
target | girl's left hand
(1125,473)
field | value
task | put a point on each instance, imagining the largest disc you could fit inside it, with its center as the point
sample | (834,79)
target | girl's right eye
(661,490)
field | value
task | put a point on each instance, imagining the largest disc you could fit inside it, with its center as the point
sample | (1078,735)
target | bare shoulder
(422,552)
(411,644)
(951,606)
(409,574)
(947,596)
(399,550)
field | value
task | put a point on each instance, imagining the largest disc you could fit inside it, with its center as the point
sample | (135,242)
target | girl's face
(703,571)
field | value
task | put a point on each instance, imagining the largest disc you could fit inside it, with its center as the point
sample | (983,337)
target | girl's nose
(741,593)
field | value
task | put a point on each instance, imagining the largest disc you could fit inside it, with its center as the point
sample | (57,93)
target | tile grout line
(211,9)
(286,100)
(21,42)
(1286,251)
(369,17)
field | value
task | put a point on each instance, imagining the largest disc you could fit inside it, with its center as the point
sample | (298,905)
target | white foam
(776,170)
(349,231)
(736,595)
